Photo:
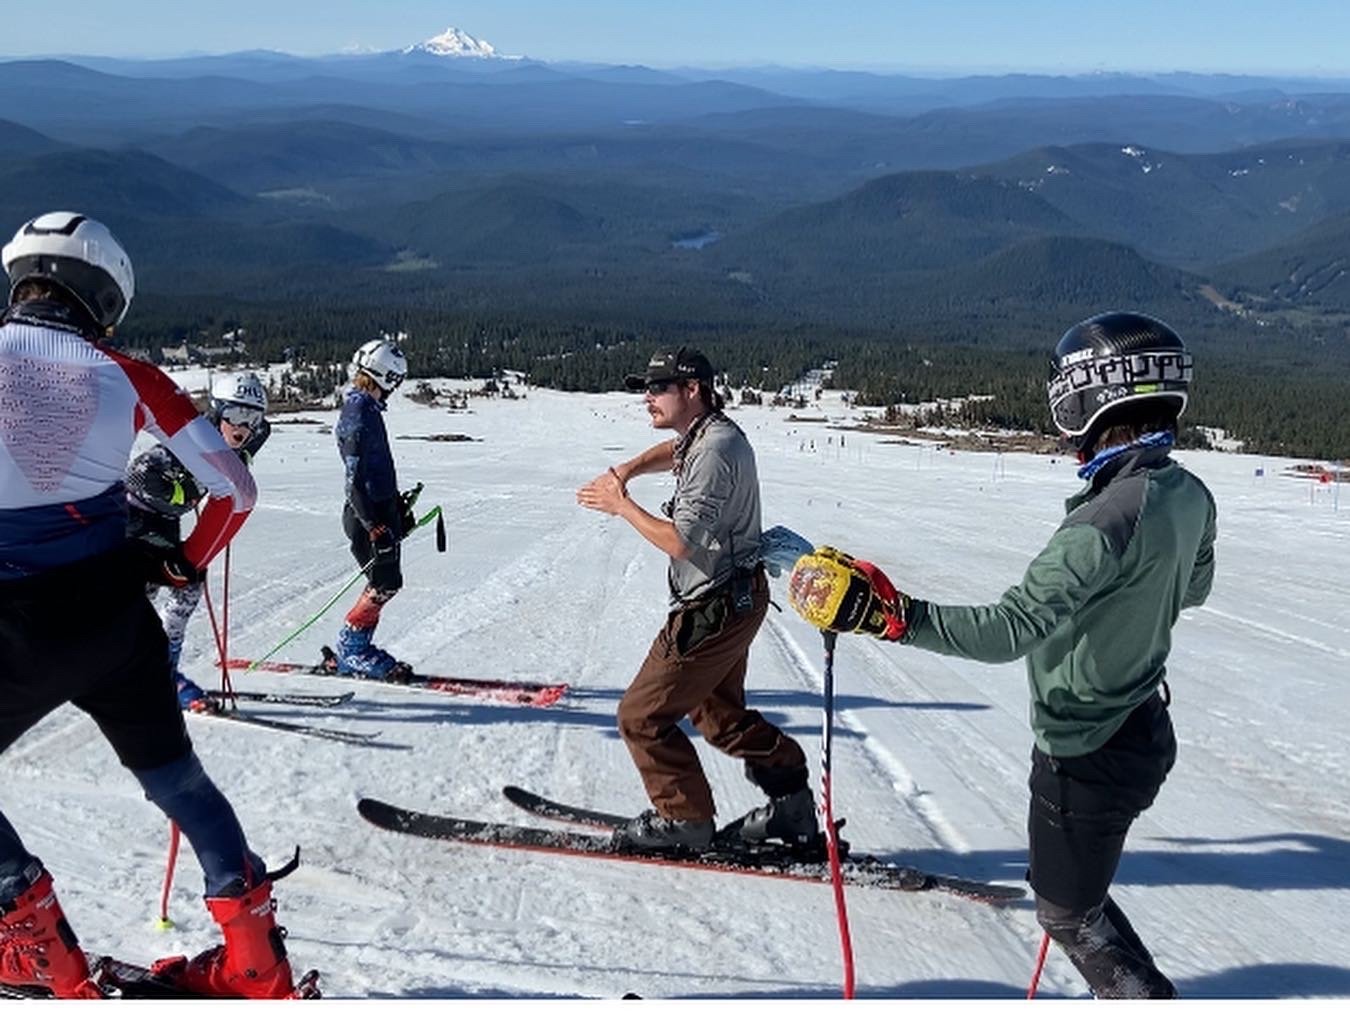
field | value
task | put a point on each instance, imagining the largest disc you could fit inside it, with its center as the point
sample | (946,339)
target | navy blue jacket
(363,444)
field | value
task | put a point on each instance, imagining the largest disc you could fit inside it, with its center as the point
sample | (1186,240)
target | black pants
(1082,808)
(385,573)
(85,634)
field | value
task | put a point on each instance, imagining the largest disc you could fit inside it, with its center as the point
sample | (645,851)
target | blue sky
(1254,36)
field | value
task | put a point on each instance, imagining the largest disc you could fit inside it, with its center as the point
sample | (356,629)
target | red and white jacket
(70,410)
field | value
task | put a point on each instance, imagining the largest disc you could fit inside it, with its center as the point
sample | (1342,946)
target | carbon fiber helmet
(78,254)
(1111,361)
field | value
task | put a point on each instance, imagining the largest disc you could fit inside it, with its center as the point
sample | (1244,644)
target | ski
(545,808)
(331,734)
(115,979)
(771,861)
(285,698)
(518,693)
(121,980)
(542,807)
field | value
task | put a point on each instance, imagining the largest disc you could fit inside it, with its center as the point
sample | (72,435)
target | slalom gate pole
(175,835)
(1040,965)
(434,513)
(827,805)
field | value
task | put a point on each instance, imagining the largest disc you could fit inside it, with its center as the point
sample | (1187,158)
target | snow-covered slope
(1238,879)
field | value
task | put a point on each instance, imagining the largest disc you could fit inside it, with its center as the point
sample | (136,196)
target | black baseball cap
(683,364)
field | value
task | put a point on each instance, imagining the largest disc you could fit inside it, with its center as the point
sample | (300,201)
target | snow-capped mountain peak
(454,43)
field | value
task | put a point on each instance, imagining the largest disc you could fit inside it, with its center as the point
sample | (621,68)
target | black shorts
(86,634)
(1082,806)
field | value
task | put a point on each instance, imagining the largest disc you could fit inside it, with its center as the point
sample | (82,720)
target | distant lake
(698,241)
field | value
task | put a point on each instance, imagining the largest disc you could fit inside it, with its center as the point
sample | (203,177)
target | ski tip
(372,807)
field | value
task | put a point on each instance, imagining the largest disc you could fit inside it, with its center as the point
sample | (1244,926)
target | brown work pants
(696,668)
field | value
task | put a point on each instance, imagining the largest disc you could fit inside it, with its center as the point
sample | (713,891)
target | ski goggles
(241,416)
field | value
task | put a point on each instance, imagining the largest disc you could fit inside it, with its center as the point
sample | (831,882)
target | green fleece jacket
(1094,613)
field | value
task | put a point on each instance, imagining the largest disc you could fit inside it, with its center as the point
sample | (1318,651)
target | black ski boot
(790,819)
(651,831)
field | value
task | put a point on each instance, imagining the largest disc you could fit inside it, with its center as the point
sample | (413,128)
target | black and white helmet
(78,254)
(383,361)
(240,398)
(1111,360)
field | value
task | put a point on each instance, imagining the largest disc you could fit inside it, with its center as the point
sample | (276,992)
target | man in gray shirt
(719,595)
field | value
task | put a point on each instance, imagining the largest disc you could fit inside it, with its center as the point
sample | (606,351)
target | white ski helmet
(242,389)
(78,254)
(383,361)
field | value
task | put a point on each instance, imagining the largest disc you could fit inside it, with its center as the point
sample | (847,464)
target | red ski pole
(174,836)
(1040,965)
(226,686)
(827,806)
(226,700)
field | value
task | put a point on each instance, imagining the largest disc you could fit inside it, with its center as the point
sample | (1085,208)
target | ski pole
(434,513)
(225,685)
(827,806)
(411,500)
(164,921)
(1040,965)
(220,641)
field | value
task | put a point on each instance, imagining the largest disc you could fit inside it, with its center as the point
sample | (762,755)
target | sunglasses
(657,387)
(241,416)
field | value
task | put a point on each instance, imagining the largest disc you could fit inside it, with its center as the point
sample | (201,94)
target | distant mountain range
(933,233)
(443,174)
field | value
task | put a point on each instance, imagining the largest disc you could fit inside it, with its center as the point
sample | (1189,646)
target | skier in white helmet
(161,490)
(376,517)
(75,626)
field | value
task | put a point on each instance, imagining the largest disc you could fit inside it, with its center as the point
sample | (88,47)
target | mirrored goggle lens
(242,416)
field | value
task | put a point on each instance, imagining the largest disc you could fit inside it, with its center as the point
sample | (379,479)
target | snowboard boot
(358,656)
(38,948)
(651,831)
(790,819)
(250,964)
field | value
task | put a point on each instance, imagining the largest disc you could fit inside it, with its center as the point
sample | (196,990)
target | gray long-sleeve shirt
(715,510)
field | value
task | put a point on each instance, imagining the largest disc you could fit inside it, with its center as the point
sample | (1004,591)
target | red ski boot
(37,946)
(251,963)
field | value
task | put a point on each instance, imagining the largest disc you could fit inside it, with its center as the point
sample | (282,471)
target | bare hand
(606,493)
